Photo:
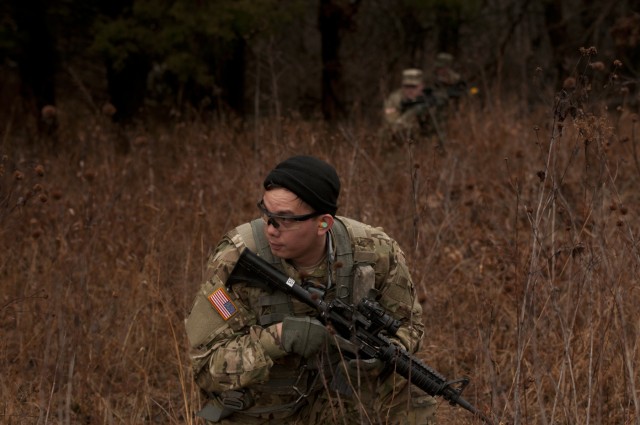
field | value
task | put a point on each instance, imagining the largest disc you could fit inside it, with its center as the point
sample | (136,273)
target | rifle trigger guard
(462,384)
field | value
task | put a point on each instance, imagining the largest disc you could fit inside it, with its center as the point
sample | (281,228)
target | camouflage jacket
(233,347)
(417,114)
(398,118)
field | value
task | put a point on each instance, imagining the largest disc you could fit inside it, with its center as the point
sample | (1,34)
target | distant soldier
(444,73)
(448,84)
(410,110)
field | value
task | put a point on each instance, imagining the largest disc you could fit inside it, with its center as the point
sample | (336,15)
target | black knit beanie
(313,180)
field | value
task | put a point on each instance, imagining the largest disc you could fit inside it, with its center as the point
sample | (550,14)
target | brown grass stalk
(527,274)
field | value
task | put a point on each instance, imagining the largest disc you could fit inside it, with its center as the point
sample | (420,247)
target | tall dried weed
(522,241)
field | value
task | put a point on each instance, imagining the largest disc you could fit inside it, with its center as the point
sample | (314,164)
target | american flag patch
(221,301)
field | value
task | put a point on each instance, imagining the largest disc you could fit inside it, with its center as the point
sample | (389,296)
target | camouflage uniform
(448,85)
(408,115)
(444,74)
(397,117)
(237,357)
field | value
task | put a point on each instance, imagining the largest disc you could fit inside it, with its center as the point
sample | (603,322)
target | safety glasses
(284,221)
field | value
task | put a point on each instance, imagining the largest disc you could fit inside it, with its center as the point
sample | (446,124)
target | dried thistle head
(48,112)
(39,169)
(597,66)
(588,51)
(569,83)
(108,109)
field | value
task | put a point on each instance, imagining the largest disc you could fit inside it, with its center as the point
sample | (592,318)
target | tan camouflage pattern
(417,121)
(397,121)
(240,354)
(374,406)
(446,76)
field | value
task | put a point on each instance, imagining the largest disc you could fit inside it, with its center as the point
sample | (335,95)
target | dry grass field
(522,240)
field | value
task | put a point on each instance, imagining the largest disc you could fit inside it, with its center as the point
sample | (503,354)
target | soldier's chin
(278,250)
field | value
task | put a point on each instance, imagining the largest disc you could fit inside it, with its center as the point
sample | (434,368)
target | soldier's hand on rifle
(359,368)
(303,335)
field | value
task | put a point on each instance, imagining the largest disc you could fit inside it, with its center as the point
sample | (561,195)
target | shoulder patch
(221,301)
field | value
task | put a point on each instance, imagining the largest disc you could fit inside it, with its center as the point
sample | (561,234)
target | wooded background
(135,134)
(333,59)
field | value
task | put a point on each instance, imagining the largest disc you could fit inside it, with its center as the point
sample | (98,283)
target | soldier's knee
(424,411)
(421,411)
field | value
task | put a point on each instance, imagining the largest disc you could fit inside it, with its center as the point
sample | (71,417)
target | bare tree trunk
(448,25)
(127,86)
(334,18)
(37,62)
(231,72)
(558,36)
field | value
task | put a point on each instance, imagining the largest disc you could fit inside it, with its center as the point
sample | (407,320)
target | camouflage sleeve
(393,280)
(392,108)
(228,349)
(397,118)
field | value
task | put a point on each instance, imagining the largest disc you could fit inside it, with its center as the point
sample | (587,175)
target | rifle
(426,99)
(425,103)
(457,90)
(361,325)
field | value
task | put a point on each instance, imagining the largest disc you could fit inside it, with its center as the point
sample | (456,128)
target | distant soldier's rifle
(362,326)
(457,90)
(426,99)
(424,104)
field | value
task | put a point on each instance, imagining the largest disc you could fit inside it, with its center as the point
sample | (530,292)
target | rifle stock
(362,325)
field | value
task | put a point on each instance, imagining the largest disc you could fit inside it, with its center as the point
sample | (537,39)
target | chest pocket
(355,250)
(269,306)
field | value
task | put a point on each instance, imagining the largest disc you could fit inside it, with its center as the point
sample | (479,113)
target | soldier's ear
(325,223)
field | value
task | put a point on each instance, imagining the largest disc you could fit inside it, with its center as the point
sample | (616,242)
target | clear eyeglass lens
(284,222)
